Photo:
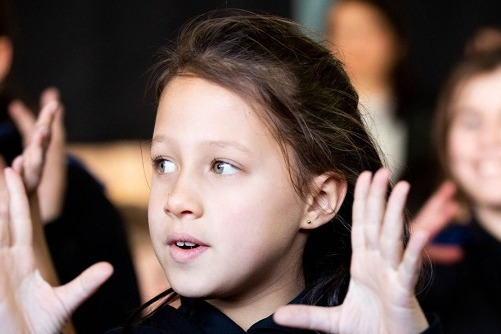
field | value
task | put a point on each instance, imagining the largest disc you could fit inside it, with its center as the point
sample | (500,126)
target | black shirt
(467,295)
(196,316)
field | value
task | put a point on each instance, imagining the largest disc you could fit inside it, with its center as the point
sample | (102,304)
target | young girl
(256,150)
(468,132)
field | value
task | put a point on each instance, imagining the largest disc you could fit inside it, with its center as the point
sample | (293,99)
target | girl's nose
(183,199)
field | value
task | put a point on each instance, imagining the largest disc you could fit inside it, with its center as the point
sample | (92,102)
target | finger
(49,94)
(20,220)
(4,207)
(52,94)
(33,159)
(437,211)
(47,113)
(52,187)
(78,290)
(58,132)
(23,118)
(17,164)
(359,207)
(34,154)
(324,319)
(444,254)
(393,228)
(409,268)
(376,203)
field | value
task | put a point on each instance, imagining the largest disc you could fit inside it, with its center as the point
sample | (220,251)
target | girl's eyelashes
(223,167)
(166,166)
(162,165)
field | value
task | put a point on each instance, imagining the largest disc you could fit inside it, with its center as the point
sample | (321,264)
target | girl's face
(474,141)
(363,40)
(224,217)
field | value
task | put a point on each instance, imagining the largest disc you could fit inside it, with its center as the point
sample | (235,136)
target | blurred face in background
(5,56)
(474,139)
(361,36)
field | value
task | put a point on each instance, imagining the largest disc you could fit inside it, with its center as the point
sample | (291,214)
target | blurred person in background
(372,38)
(81,225)
(465,291)
(369,38)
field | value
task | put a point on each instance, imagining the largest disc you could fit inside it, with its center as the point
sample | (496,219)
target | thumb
(324,319)
(79,289)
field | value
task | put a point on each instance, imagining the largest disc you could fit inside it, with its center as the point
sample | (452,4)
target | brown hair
(307,101)
(309,104)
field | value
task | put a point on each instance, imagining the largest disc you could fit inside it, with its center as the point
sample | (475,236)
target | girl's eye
(224,168)
(471,122)
(166,166)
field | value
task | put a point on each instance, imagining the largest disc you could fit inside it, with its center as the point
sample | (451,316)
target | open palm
(380,297)
(28,304)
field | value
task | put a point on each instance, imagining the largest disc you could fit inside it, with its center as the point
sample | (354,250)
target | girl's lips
(185,255)
(184,247)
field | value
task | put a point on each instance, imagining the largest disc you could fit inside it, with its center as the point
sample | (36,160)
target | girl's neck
(248,311)
(490,219)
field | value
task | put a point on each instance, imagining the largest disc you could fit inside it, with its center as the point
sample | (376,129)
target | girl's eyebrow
(158,139)
(209,143)
(227,144)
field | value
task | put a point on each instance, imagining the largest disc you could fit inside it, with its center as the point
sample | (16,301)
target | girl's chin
(190,290)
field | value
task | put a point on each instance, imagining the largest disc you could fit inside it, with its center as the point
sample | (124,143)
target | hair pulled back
(305,98)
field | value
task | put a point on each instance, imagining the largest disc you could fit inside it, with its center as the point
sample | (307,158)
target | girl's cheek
(457,143)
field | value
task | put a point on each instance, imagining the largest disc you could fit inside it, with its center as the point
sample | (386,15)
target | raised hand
(380,297)
(28,304)
(31,164)
(41,154)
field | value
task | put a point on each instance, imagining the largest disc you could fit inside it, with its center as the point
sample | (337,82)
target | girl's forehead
(477,94)
(191,92)
(474,88)
(195,104)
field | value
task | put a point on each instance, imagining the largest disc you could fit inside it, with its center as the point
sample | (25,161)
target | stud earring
(308,222)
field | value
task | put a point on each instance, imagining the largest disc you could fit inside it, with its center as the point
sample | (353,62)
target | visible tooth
(189,244)
(180,243)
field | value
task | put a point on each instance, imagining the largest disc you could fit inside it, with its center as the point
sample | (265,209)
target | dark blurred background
(98,52)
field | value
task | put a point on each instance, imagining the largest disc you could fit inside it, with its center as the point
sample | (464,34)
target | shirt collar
(214,321)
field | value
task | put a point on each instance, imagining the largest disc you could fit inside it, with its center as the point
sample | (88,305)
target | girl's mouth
(185,248)
(186,245)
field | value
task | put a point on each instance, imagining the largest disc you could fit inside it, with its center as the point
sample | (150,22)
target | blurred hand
(43,162)
(28,304)
(435,215)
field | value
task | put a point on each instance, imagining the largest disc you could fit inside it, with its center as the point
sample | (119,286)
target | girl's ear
(329,191)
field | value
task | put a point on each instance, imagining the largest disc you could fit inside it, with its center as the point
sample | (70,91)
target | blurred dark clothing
(196,316)
(467,295)
(422,168)
(89,230)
